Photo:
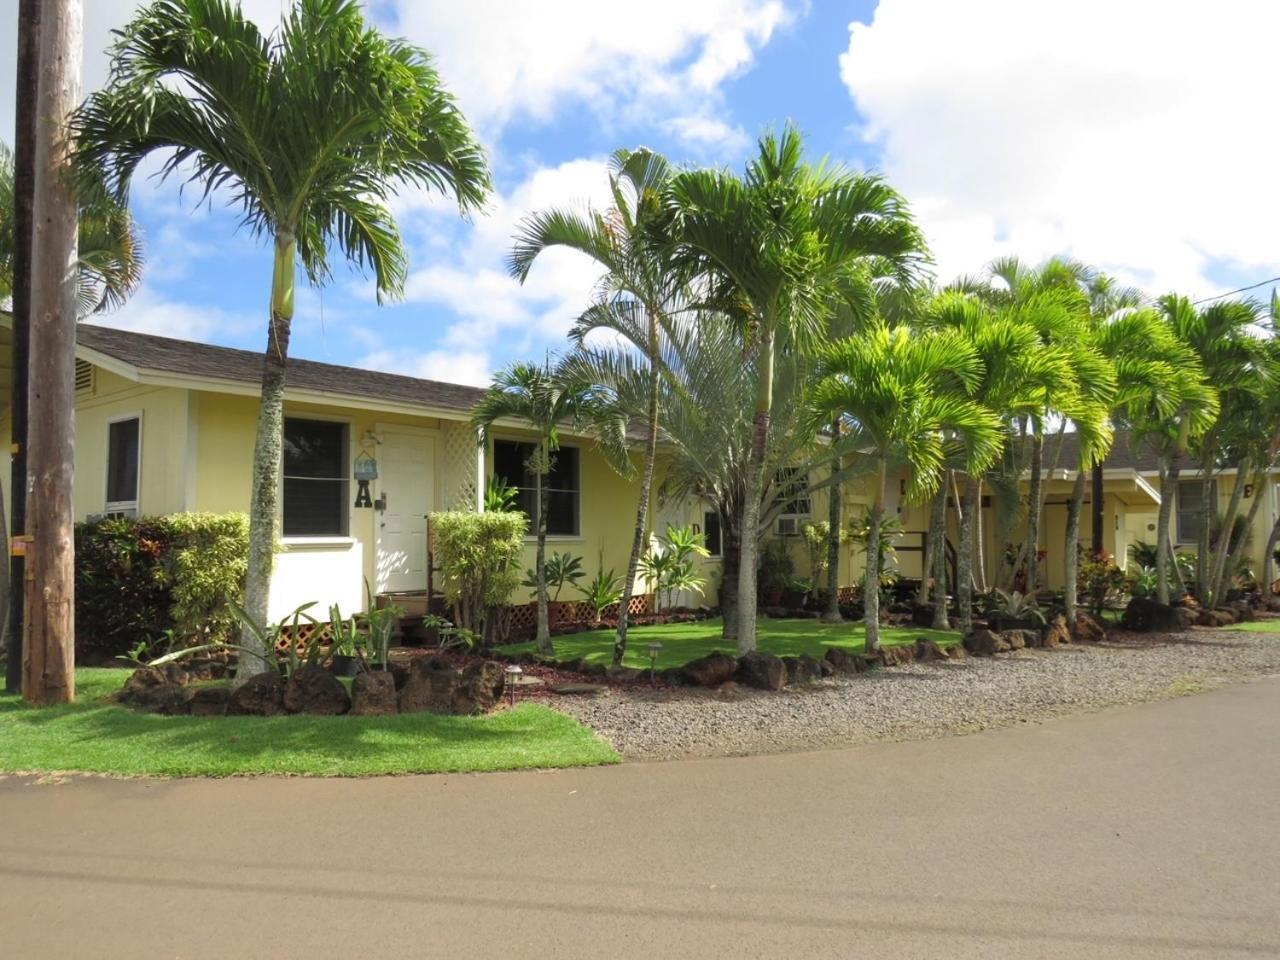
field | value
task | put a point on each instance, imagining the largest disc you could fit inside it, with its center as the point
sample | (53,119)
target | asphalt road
(1150,831)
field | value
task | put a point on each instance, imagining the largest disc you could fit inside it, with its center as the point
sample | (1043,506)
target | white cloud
(150,312)
(511,60)
(469,276)
(1135,139)
(707,133)
(471,367)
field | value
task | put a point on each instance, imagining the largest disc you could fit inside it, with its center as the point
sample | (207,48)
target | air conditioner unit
(788,526)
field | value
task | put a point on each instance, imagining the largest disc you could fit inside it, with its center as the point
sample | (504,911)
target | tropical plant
(500,496)
(1016,606)
(671,567)
(638,294)
(108,254)
(1143,581)
(562,569)
(309,132)
(777,570)
(905,394)
(602,592)
(772,248)
(478,554)
(1102,582)
(547,398)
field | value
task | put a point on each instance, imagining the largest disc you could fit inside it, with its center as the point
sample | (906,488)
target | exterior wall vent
(84,377)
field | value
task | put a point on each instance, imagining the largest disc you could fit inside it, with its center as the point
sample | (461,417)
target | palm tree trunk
(1031,549)
(1230,562)
(1072,547)
(1168,483)
(267,456)
(832,614)
(1269,558)
(1208,589)
(48,664)
(871,585)
(1204,546)
(731,553)
(964,558)
(938,543)
(542,640)
(750,532)
(642,509)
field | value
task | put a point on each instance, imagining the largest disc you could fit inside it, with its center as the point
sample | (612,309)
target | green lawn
(98,737)
(1257,626)
(682,642)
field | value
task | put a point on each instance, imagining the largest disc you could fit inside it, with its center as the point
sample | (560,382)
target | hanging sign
(366,469)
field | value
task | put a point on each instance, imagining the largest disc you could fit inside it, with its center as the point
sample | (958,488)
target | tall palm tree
(772,246)
(1018,370)
(639,293)
(1170,422)
(547,398)
(309,131)
(899,390)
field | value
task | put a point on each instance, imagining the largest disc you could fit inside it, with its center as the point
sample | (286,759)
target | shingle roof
(1126,452)
(167,355)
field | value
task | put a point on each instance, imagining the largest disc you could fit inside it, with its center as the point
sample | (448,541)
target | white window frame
(532,535)
(788,524)
(122,508)
(319,539)
(1177,511)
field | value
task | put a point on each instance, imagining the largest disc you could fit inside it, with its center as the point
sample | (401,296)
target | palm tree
(547,398)
(308,131)
(109,254)
(640,292)
(1170,421)
(771,247)
(899,389)
(1018,370)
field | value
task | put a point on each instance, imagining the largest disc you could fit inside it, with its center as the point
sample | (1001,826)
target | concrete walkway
(1150,831)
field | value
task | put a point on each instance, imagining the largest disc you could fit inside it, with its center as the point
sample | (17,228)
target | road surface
(1149,831)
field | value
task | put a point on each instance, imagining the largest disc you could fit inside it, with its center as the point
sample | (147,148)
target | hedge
(137,580)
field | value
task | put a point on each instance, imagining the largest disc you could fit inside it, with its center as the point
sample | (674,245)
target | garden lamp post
(513,675)
(654,649)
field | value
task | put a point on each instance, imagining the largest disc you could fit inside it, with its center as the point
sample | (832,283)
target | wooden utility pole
(24,195)
(48,664)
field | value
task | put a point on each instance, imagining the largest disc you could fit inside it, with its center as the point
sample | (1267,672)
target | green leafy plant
(602,592)
(777,570)
(138,579)
(478,555)
(672,568)
(1101,582)
(1142,553)
(378,625)
(1017,606)
(563,569)
(269,636)
(1143,581)
(500,496)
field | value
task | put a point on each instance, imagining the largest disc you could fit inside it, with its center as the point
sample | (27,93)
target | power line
(1252,286)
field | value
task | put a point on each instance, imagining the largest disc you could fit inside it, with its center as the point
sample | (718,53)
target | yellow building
(164,426)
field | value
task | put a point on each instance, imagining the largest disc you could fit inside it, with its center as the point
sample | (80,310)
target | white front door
(406,494)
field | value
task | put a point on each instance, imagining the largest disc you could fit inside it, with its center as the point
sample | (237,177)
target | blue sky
(1012,126)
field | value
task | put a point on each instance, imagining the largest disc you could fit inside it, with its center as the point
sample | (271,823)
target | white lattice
(459,467)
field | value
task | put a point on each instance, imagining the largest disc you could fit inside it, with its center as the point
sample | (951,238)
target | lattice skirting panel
(847,594)
(524,616)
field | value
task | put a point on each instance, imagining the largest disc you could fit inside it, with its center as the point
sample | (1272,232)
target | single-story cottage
(166,425)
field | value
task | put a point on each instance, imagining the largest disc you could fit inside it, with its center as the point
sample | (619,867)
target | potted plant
(343,641)
(796,593)
(1015,611)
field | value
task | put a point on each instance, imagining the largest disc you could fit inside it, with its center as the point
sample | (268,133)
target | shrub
(140,580)
(478,555)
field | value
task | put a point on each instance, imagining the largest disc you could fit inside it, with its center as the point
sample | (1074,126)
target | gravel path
(921,701)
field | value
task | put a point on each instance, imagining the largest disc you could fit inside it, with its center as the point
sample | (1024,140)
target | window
(711,532)
(315,478)
(511,464)
(793,496)
(1191,509)
(123,440)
